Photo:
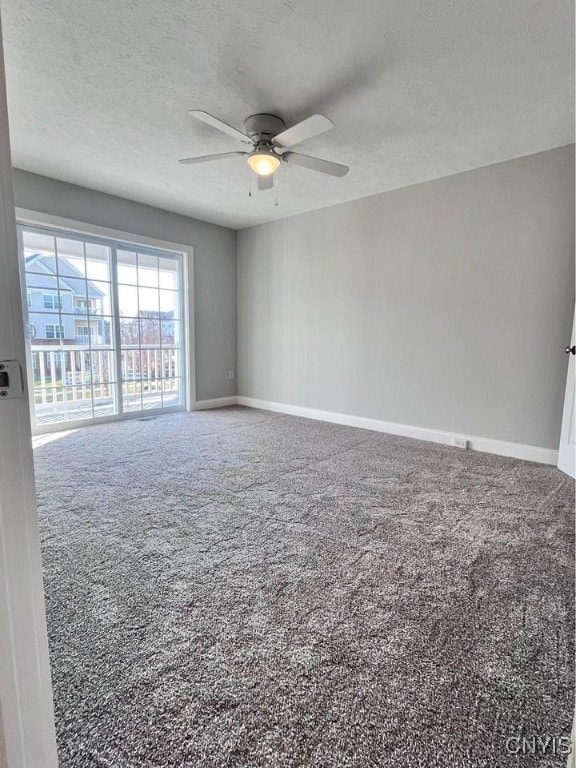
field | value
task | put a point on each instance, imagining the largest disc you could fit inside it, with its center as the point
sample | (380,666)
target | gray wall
(444,305)
(214,263)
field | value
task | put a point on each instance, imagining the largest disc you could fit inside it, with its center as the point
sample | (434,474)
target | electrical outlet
(459,442)
(230,374)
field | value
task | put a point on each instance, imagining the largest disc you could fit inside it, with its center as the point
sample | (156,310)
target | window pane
(46,326)
(152,394)
(170,304)
(50,368)
(171,333)
(35,264)
(131,365)
(168,275)
(97,262)
(99,297)
(148,301)
(129,331)
(78,403)
(36,243)
(44,285)
(104,400)
(49,405)
(75,289)
(78,371)
(151,363)
(103,394)
(102,366)
(132,395)
(101,331)
(170,363)
(71,261)
(147,270)
(171,392)
(128,300)
(127,272)
(149,331)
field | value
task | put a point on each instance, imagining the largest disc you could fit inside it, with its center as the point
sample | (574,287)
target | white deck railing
(82,372)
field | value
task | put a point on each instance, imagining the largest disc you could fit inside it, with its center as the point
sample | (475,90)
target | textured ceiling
(417,89)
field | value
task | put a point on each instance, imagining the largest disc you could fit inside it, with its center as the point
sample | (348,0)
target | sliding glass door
(150,334)
(104,327)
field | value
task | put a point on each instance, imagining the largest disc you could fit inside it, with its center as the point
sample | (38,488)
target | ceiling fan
(268,135)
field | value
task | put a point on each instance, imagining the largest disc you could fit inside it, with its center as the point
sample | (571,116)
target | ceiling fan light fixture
(263,161)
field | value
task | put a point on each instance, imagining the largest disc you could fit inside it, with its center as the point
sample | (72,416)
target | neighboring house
(64,307)
(65,311)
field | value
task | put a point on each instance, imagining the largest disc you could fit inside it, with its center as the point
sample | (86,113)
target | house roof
(45,281)
(47,277)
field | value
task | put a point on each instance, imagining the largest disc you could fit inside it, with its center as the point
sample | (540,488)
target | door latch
(11,381)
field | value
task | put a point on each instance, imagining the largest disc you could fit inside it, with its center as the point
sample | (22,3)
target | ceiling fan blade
(308,128)
(315,164)
(220,125)
(266,182)
(207,158)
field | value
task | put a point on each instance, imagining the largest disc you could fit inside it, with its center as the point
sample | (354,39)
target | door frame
(566,449)
(96,233)
(27,731)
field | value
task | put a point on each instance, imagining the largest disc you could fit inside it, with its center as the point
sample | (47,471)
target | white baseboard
(483,444)
(217,402)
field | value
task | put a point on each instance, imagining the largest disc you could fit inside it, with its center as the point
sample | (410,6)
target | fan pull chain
(250,184)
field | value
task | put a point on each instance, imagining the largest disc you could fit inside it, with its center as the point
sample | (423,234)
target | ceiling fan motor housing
(263,128)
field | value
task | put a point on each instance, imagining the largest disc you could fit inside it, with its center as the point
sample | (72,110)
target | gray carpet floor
(242,588)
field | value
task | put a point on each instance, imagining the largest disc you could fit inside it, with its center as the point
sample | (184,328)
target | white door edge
(567,449)
(27,737)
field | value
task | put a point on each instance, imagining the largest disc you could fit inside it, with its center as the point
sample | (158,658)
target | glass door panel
(103,327)
(149,300)
(70,327)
